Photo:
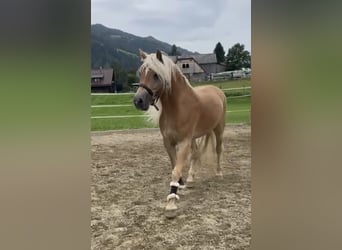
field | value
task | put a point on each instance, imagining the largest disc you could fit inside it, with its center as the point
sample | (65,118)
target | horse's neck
(181,94)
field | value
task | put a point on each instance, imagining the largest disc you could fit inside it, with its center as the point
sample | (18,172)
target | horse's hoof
(171,213)
(171,207)
(190,184)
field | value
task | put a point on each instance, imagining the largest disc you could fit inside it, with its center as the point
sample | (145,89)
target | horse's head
(152,80)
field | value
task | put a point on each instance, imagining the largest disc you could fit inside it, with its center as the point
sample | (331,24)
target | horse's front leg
(171,151)
(170,147)
(181,156)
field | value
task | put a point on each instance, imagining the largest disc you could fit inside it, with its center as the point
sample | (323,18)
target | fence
(132,93)
(132,116)
(227,75)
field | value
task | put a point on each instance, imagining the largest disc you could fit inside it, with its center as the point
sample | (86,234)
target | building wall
(193,66)
(196,77)
(213,68)
(101,80)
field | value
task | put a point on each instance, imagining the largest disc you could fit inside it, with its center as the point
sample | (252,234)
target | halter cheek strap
(145,87)
(154,97)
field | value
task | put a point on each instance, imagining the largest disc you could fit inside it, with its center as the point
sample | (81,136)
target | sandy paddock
(130,181)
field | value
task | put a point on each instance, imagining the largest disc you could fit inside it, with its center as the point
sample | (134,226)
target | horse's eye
(155,77)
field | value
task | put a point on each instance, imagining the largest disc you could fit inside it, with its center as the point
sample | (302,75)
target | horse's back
(210,94)
(212,108)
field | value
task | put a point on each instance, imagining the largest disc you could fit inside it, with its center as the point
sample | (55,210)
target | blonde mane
(165,72)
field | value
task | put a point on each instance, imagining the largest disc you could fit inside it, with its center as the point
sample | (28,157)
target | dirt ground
(131,173)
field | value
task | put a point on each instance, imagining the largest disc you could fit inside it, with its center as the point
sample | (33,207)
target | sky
(196,25)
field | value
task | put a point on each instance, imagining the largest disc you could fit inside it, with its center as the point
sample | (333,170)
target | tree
(238,57)
(173,51)
(120,76)
(219,51)
(132,78)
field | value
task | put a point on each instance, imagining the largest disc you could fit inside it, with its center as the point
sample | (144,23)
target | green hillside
(112,46)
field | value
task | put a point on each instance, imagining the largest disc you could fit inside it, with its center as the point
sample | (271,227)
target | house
(191,69)
(198,67)
(101,80)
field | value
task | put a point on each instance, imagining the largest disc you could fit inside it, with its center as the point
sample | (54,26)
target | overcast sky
(196,25)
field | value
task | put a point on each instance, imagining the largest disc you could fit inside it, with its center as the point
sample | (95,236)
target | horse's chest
(176,128)
(170,133)
(174,134)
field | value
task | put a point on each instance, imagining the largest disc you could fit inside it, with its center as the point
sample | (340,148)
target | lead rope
(154,102)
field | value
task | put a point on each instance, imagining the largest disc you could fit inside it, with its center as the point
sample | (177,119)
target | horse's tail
(207,147)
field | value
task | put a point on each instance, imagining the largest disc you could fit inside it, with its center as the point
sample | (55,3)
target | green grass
(233,104)
(238,117)
(111,99)
(115,111)
(119,123)
(240,103)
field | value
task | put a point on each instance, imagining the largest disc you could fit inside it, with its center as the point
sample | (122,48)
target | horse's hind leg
(219,136)
(193,162)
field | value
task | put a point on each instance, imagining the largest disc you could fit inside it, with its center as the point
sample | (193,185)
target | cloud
(193,24)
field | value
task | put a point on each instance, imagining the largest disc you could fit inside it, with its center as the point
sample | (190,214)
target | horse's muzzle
(142,100)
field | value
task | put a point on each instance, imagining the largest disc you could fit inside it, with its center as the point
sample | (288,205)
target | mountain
(113,46)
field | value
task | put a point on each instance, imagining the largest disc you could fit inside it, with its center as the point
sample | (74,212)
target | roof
(200,58)
(97,75)
(104,76)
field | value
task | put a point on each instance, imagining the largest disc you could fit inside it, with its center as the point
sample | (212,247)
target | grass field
(102,116)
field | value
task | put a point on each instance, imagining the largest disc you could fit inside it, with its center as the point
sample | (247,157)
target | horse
(184,114)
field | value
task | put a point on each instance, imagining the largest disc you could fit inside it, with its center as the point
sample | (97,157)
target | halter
(153,95)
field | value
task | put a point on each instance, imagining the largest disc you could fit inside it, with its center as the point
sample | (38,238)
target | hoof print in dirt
(219,176)
(190,184)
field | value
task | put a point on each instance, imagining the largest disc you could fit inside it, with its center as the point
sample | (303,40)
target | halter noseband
(154,96)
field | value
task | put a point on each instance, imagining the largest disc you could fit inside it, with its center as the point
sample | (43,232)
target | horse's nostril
(138,102)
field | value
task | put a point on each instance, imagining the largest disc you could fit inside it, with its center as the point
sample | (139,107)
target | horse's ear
(142,55)
(159,56)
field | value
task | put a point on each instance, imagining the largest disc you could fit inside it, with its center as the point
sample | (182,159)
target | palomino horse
(185,114)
